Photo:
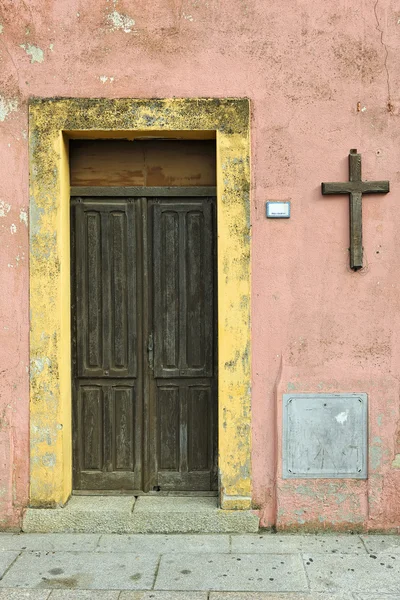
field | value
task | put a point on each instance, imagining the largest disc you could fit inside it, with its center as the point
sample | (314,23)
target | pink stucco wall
(317,326)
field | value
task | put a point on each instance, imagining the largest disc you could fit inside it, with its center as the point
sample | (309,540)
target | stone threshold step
(146,514)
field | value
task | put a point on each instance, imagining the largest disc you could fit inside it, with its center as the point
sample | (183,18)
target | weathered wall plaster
(321,79)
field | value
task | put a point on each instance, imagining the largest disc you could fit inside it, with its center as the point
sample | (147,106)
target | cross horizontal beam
(349,187)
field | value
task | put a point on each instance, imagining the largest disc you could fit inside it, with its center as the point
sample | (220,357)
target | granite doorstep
(218,521)
(189,515)
(175,504)
(82,570)
(164,515)
(225,572)
(83,514)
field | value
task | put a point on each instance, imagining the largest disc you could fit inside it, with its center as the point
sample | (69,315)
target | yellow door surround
(52,122)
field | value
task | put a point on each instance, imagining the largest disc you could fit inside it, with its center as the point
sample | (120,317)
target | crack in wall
(378,27)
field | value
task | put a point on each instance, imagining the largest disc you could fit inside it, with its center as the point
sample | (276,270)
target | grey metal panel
(325,436)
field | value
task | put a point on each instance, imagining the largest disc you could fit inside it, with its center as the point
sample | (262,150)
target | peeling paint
(375,456)
(36,214)
(120,21)
(19,257)
(396,462)
(49,459)
(34,52)
(38,365)
(23,217)
(7,106)
(4,208)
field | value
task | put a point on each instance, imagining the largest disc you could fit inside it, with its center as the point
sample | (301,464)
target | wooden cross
(355,187)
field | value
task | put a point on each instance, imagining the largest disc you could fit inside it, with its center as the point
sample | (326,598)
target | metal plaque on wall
(325,436)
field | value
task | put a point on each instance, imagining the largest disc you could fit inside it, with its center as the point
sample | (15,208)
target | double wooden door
(144,343)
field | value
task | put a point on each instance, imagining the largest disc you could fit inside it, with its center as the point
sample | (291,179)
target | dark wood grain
(142,162)
(183,288)
(140,191)
(349,187)
(144,359)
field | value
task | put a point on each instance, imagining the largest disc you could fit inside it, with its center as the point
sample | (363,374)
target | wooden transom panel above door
(143,163)
(144,343)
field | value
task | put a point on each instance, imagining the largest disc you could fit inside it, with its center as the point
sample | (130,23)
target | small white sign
(278,210)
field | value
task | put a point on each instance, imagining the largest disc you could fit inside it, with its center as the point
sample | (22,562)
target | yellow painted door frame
(51,124)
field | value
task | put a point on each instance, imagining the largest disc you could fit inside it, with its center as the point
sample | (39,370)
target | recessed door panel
(183,288)
(106,314)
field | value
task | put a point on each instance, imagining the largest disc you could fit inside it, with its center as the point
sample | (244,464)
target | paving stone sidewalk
(199,567)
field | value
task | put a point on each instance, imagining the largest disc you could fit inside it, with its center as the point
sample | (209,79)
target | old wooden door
(144,343)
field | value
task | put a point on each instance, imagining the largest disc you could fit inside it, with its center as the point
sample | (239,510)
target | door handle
(150,351)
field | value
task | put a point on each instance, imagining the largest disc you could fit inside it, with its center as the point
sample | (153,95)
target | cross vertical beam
(355,209)
(355,188)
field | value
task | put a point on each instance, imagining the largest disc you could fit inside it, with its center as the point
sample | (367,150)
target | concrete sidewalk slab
(288,543)
(154,543)
(49,541)
(82,570)
(357,596)
(370,574)
(226,572)
(382,543)
(163,595)
(199,567)
(6,559)
(24,594)
(84,595)
(278,596)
